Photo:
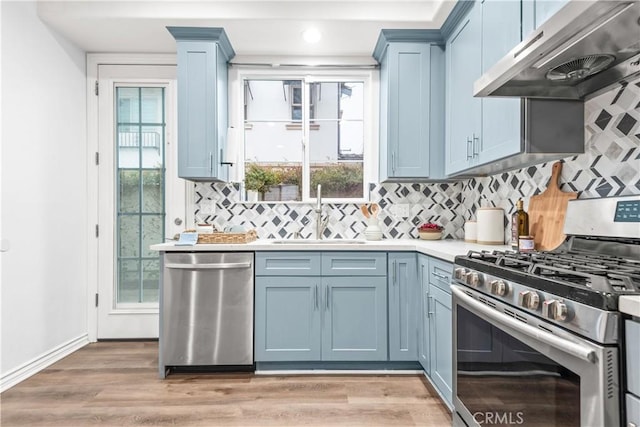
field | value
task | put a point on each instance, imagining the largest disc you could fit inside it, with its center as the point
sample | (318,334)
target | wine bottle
(519,224)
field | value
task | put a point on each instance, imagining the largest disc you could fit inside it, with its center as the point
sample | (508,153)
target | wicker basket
(219,237)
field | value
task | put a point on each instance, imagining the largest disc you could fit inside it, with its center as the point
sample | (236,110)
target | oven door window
(502,381)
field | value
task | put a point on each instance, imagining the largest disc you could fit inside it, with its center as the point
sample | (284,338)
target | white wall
(44,192)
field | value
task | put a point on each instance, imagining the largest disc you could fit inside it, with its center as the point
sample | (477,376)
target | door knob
(177,221)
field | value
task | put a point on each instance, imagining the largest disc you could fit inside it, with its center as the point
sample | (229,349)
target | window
(303,132)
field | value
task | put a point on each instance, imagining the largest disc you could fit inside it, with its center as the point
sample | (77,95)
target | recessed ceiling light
(311,35)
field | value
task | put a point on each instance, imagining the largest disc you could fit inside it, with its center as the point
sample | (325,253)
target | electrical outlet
(208,207)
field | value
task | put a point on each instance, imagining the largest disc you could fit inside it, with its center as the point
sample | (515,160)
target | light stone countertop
(442,249)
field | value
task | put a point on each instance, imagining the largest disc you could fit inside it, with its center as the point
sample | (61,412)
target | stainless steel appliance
(581,51)
(206,317)
(537,335)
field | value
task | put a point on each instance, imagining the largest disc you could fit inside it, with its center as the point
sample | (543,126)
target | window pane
(150,280)
(152,191)
(128,138)
(127,99)
(129,234)
(129,281)
(152,105)
(152,138)
(273,134)
(152,233)
(129,190)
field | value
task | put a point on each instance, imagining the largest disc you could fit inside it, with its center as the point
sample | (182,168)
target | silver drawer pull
(219,266)
(441,276)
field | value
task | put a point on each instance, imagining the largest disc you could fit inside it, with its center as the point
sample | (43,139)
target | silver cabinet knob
(177,221)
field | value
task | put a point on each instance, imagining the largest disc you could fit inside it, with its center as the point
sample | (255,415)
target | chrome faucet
(321,224)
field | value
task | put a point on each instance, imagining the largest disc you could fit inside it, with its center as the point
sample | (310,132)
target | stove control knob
(499,288)
(529,299)
(460,273)
(556,310)
(475,279)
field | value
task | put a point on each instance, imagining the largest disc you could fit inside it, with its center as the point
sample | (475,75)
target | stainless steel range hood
(583,50)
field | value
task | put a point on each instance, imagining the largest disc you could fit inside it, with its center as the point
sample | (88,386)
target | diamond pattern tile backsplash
(610,166)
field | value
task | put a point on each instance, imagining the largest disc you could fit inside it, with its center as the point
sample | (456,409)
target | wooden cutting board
(547,211)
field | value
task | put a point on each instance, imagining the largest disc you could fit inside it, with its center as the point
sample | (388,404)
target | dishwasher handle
(217,266)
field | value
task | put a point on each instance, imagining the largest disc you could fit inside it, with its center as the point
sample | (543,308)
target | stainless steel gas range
(537,335)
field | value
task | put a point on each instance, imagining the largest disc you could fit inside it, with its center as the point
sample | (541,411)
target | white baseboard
(37,364)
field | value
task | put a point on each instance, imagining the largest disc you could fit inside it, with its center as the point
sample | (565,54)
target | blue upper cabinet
(489,135)
(536,12)
(500,116)
(463,112)
(411,105)
(203,54)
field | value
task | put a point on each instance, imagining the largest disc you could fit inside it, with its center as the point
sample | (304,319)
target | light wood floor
(116,384)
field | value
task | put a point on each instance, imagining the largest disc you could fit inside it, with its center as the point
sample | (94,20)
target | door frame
(93,61)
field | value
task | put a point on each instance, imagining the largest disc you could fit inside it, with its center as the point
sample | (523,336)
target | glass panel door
(140,141)
(141,200)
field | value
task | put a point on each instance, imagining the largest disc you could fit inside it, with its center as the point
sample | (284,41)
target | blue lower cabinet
(441,341)
(403,306)
(287,318)
(354,323)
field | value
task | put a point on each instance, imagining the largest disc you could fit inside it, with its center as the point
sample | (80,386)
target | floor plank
(116,384)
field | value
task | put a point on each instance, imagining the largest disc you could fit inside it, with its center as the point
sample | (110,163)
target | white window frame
(370,78)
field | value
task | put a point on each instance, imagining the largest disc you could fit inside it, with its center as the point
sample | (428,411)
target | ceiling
(349,28)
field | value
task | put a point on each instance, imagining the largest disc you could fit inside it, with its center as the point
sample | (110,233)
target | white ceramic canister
(490,226)
(471,231)
(373,231)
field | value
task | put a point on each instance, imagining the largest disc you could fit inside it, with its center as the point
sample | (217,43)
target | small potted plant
(430,231)
(259,179)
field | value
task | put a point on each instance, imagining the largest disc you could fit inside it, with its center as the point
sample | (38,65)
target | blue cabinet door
(354,323)
(537,12)
(287,318)
(500,116)
(403,306)
(408,113)
(411,111)
(441,341)
(423,321)
(463,111)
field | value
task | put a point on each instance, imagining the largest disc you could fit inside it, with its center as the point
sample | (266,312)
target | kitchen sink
(318,242)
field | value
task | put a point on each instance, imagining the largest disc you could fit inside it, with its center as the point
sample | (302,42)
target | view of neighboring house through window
(299,135)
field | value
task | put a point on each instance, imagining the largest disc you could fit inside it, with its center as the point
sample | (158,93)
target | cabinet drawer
(354,264)
(632,344)
(440,274)
(287,264)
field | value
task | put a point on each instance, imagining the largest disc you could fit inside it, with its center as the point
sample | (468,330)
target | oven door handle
(568,347)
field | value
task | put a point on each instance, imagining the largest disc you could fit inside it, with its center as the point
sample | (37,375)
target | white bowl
(430,235)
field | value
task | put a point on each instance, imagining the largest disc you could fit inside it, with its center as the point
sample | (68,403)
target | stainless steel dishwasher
(206,318)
